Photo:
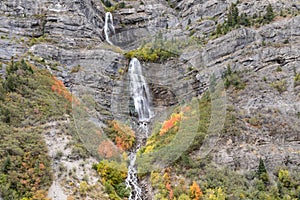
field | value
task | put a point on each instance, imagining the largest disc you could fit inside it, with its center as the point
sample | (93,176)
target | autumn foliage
(113,175)
(167,181)
(172,122)
(59,87)
(107,149)
(195,191)
(122,135)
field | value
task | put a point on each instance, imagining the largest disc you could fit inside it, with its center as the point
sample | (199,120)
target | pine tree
(219,29)
(269,16)
(243,19)
(262,172)
(233,15)
(261,167)
(6,165)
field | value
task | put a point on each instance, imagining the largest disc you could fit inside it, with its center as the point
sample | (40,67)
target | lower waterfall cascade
(139,91)
(141,96)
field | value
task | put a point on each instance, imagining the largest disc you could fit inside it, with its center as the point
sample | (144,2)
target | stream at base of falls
(132,180)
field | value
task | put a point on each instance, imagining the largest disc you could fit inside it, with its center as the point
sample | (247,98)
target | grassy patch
(297,80)
(76,69)
(39,40)
(280,86)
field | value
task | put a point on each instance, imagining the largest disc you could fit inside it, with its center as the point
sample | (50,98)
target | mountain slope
(248,51)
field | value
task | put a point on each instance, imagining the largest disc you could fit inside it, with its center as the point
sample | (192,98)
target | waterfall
(132,181)
(108,26)
(140,93)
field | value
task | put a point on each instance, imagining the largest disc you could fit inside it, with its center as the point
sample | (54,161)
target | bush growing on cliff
(109,7)
(149,53)
(280,86)
(159,50)
(233,15)
(113,176)
(297,79)
(262,173)
(122,135)
(269,16)
(107,3)
(233,79)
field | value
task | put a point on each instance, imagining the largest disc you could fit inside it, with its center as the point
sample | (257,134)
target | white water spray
(132,181)
(141,96)
(139,91)
(108,27)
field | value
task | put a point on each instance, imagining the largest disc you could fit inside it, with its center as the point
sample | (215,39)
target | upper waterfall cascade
(109,27)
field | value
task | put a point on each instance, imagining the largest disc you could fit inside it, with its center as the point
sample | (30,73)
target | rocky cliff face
(66,37)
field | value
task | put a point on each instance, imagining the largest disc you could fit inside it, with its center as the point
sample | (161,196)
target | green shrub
(80,151)
(76,69)
(297,80)
(280,86)
(38,40)
(184,197)
(262,173)
(83,188)
(269,16)
(113,175)
(233,79)
(279,69)
(149,53)
(58,155)
(192,32)
(284,178)
(286,41)
(122,4)
(159,49)
(107,3)
(109,7)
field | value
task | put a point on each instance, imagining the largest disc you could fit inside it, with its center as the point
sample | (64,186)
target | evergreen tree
(6,165)
(261,167)
(219,29)
(233,15)
(269,16)
(228,71)
(243,19)
(262,172)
